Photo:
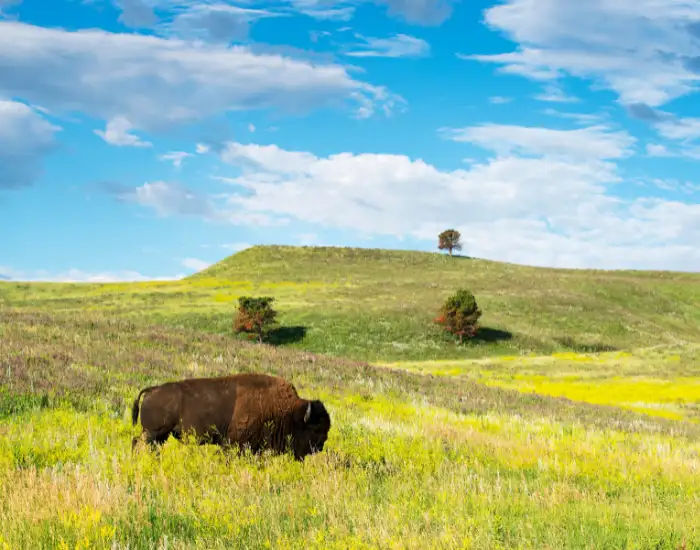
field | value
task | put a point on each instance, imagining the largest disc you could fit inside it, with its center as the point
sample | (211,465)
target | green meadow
(379,304)
(572,421)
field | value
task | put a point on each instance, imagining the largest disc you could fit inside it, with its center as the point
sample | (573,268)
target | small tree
(449,240)
(254,315)
(459,315)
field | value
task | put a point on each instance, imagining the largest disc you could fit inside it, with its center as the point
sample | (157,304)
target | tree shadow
(486,334)
(285,335)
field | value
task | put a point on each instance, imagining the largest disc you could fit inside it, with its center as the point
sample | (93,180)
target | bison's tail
(135,406)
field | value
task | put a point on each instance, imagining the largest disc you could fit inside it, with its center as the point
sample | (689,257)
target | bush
(459,315)
(254,315)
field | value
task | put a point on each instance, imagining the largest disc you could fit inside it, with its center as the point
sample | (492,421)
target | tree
(459,315)
(254,315)
(449,240)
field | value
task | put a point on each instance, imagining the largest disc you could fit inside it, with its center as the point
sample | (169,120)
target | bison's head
(311,425)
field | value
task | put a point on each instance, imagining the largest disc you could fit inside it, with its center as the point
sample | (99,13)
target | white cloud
(79,276)
(202,148)
(685,187)
(686,151)
(399,45)
(271,157)
(644,50)
(215,22)
(220,20)
(173,199)
(687,128)
(176,157)
(421,12)
(595,142)
(201,19)
(544,200)
(118,133)
(499,100)
(25,137)
(169,199)
(342,13)
(9,274)
(154,82)
(136,13)
(691,152)
(555,94)
(585,119)
(392,194)
(8,4)
(195,264)
(658,150)
(75,275)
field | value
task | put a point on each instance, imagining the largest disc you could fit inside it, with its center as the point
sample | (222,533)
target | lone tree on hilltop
(449,240)
(254,315)
(459,315)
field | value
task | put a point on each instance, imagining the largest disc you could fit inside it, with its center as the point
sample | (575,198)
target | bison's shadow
(285,335)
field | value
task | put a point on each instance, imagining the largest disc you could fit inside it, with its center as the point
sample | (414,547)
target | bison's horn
(307,414)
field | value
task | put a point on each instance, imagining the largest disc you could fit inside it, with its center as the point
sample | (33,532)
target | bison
(249,410)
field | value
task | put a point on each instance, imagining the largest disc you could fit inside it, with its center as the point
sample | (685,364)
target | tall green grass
(412,461)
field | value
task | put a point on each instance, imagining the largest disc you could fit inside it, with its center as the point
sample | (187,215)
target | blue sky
(150,138)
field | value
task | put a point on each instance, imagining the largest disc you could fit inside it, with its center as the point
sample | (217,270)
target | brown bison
(251,410)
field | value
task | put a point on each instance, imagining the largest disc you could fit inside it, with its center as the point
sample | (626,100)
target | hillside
(379,304)
(465,447)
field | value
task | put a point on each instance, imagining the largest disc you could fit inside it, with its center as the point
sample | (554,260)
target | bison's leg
(158,437)
(152,439)
(140,439)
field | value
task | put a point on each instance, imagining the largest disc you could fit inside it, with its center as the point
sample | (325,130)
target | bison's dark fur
(251,410)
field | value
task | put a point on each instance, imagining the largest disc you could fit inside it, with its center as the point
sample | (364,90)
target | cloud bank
(25,137)
(153,83)
(545,198)
(646,51)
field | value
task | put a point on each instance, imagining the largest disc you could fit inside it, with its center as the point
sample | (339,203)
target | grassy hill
(432,445)
(379,304)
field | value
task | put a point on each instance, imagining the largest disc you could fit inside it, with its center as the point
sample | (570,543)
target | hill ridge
(272,253)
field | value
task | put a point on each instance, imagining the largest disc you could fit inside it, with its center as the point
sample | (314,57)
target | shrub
(459,315)
(254,315)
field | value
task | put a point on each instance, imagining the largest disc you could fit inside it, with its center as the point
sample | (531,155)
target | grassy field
(432,445)
(379,304)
